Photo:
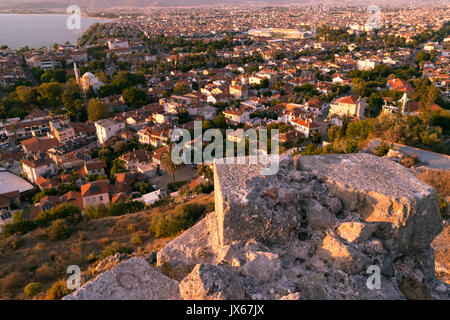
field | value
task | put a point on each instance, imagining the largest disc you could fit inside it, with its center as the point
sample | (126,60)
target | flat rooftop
(9,182)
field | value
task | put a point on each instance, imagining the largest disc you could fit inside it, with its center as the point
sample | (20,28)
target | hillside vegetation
(39,259)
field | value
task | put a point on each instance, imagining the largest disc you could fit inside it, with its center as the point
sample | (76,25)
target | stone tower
(77,73)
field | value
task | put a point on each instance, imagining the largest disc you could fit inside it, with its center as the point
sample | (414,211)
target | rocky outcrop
(133,279)
(194,246)
(211,282)
(405,208)
(322,227)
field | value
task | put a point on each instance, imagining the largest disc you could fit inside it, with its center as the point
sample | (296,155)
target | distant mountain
(57,4)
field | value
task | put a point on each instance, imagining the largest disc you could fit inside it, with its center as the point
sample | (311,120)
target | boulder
(247,202)
(134,279)
(342,256)
(312,288)
(231,255)
(291,296)
(413,289)
(356,231)
(211,282)
(196,245)
(318,216)
(382,191)
(262,266)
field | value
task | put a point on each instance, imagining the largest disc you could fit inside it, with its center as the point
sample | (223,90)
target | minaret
(404,100)
(77,73)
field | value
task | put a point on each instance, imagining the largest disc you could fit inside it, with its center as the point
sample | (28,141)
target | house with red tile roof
(307,127)
(95,192)
(348,105)
(400,85)
(38,144)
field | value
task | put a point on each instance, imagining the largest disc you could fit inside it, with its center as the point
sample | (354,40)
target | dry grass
(45,261)
(439,179)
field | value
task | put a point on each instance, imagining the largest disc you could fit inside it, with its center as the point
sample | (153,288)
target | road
(431,159)
(186,173)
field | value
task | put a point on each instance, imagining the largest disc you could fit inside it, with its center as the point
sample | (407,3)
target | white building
(348,105)
(116,44)
(152,197)
(240,115)
(37,166)
(306,127)
(108,128)
(367,64)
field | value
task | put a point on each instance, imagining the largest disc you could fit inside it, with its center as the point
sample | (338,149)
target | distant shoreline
(55,13)
(15,30)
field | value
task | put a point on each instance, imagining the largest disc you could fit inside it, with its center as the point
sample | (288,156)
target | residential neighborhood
(88,129)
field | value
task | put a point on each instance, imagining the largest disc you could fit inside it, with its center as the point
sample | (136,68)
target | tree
(17,216)
(220,122)
(181,88)
(27,95)
(77,111)
(50,94)
(134,97)
(56,75)
(204,170)
(375,103)
(120,147)
(422,57)
(168,165)
(118,167)
(97,110)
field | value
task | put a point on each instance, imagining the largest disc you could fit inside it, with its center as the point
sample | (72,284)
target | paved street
(431,159)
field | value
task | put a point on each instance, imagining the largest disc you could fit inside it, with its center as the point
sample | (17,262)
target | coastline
(56,13)
(53,34)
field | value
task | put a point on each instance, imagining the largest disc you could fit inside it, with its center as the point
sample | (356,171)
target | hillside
(37,258)
(313,230)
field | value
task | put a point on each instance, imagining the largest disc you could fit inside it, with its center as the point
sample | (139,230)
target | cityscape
(297,150)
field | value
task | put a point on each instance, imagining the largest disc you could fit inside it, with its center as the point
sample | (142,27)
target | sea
(39,30)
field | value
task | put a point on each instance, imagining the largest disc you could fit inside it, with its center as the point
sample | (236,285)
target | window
(101,198)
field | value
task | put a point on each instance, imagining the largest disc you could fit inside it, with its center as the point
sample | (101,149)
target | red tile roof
(94,188)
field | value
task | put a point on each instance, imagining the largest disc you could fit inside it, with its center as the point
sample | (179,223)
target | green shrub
(19,228)
(17,216)
(114,209)
(210,207)
(58,291)
(183,217)
(382,149)
(96,212)
(137,239)
(32,289)
(15,242)
(114,248)
(184,190)
(174,187)
(164,201)
(59,230)
(65,211)
(205,170)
